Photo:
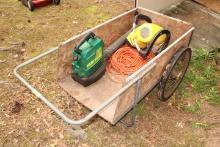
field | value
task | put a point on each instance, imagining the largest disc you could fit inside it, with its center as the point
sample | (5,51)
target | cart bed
(93,95)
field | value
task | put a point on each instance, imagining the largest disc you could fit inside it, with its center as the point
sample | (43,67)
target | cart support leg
(135,100)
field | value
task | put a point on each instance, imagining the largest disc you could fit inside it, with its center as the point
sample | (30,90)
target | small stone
(2,61)
(15,141)
(74,22)
(38,110)
(23,50)
(37,130)
(179,124)
(15,56)
(61,136)
(173,6)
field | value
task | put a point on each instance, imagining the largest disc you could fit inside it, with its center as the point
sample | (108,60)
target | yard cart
(112,100)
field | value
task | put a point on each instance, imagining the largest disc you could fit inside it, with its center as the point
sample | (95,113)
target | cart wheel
(30,5)
(56,2)
(174,73)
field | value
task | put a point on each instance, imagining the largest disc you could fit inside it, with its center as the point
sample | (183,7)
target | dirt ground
(26,121)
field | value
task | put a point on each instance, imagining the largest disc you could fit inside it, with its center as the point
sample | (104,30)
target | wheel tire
(24,2)
(56,2)
(30,5)
(185,54)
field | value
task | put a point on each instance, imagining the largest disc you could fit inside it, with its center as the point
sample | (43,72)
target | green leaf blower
(88,60)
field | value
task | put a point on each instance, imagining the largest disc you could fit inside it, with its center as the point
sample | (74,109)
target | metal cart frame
(134,79)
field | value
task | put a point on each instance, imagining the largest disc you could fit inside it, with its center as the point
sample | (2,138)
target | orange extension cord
(126,60)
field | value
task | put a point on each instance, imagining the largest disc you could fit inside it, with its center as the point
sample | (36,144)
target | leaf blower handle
(85,38)
(139,17)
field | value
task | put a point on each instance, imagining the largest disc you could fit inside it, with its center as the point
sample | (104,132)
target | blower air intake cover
(144,34)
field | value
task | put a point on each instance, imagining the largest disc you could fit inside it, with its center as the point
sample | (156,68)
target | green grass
(197,125)
(202,72)
(202,80)
(91,136)
(194,108)
(213,96)
(140,109)
(191,139)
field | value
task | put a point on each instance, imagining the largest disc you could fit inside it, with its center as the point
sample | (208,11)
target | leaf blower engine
(148,37)
(88,60)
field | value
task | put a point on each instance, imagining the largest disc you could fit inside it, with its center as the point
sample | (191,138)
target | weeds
(202,74)
(91,136)
(205,80)
(200,125)
(194,108)
(213,96)
(140,109)
(191,140)
(202,79)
